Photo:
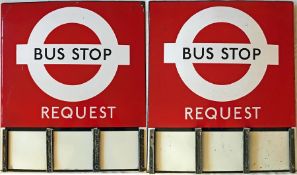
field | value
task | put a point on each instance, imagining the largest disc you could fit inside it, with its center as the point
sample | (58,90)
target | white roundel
(90,88)
(204,88)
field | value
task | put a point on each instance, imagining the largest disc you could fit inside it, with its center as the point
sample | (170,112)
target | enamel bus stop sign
(221,64)
(73,64)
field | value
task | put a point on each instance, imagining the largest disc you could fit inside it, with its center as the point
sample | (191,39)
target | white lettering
(188,113)
(55,112)
(66,114)
(256,111)
(225,113)
(214,113)
(237,113)
(44,112)
(198,113)
(111,110)
(83,112)
(93,111)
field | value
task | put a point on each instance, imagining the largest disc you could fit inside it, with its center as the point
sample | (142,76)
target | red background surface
(21,97)
(168,95)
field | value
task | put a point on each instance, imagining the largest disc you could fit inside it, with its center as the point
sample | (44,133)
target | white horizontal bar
(77,54)
(175,53)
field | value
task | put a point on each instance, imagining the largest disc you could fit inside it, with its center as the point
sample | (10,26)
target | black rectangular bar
(5,150)
(152,152)
(198,141)
(269,129)
(96,149)
(246,163)
(49,150)
(176,172)
(119,129)
(141,149)
(174,129)
(120,170)
(292,150)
